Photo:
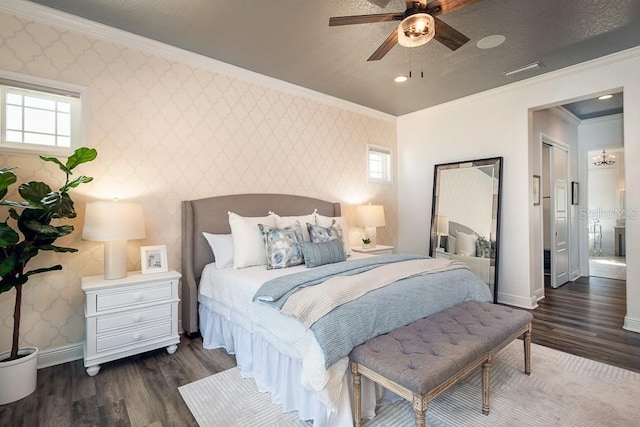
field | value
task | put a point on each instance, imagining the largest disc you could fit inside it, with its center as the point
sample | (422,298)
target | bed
(284,357)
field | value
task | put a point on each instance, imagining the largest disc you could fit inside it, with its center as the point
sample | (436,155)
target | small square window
(38,115)
(379,164)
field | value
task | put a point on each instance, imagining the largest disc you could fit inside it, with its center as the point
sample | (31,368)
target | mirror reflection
(466,216)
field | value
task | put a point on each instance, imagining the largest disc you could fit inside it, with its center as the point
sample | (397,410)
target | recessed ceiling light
(490,42)
(528,67)
(400,79)
(603,97)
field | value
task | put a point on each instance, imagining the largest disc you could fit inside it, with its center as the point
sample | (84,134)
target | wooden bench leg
(356,394)
(527,351)
(420,408)
(486,385)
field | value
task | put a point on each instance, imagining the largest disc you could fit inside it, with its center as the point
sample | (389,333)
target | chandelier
(604,159)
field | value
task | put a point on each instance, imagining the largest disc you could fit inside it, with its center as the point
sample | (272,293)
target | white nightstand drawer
(132,318)
(133,336)
(133,296)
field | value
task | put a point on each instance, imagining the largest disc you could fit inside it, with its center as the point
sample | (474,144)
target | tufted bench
(421,360)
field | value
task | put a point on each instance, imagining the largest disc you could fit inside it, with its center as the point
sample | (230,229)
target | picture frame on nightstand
(153,259)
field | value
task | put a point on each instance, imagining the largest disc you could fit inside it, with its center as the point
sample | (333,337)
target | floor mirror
(465,219)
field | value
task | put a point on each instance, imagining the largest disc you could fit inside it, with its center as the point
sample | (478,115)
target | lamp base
(115,259)
(371,235)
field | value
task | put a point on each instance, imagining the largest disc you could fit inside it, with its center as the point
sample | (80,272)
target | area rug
(563,390)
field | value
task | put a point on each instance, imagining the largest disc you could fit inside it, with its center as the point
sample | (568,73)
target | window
(38,115)
(379,164)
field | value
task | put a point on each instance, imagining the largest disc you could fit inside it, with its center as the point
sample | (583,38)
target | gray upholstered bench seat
(421,360)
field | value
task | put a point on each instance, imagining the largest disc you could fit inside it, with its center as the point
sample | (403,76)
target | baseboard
(575,275)
(60,355)
(539,294)
(67,353)
(517,301)
(632,325)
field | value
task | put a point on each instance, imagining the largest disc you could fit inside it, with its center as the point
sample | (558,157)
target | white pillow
(248,243)
(327,221)
(222,248)
(452,245)
(287,221)
(466,244)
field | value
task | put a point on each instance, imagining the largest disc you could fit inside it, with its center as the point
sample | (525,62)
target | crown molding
(604,61)
(46,15)
(565,115)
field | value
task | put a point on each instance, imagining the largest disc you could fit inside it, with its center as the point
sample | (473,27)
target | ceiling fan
(418,25)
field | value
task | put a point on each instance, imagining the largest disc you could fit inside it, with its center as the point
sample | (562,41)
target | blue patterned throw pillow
(282,246)
(321,234)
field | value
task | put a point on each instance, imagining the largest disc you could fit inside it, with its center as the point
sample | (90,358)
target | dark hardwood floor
(140,390)
(584,317)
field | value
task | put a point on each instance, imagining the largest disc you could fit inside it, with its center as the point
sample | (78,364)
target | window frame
(387,171)
(77,95)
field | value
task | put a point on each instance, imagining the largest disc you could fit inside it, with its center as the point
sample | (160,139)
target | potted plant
(366,242)
(27,230)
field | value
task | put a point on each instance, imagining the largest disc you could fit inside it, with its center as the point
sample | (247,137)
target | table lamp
(442,228)
(370,217)
(114,223)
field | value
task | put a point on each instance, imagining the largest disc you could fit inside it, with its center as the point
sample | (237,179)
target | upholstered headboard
(211,215)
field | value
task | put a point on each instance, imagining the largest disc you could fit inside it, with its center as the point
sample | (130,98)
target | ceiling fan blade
(365,19)
(385,46)
(449,36)
(447,6)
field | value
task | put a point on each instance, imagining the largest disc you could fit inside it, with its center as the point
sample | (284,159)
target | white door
(559,217)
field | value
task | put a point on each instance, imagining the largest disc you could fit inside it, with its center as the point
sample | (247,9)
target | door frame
(545,139)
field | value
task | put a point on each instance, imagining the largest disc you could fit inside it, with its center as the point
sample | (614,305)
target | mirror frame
(497,163)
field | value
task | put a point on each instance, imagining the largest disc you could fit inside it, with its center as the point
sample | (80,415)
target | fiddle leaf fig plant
(28,228)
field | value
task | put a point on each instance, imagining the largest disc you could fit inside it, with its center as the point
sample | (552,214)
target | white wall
(497,123)
(557,127)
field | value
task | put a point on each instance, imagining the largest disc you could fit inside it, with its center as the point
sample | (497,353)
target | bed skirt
(280,374)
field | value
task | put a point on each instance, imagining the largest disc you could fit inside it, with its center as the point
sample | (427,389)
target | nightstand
(128,316)
(378,250)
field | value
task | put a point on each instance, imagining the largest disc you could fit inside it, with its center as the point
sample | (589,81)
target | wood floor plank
(584,317)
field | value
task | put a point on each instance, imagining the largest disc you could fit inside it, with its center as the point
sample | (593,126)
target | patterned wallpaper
(168,131)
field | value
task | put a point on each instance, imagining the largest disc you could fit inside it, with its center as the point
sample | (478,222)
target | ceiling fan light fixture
(400,79)
(416,30)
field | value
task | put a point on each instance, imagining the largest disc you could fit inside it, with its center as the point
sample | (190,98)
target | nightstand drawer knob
(137,336)
(137,318)
(138,298)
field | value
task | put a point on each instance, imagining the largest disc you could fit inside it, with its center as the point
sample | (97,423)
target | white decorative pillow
(248,244)
(327,221)
(466,244)
(452,245)
(222,248)
(286,221)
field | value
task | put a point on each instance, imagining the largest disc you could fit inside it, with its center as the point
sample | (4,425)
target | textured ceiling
(592,108)
(292,41)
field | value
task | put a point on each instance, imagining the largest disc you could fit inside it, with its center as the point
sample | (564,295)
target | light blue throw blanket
(379,311)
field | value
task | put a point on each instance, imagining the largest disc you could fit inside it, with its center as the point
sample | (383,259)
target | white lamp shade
(442,225)
(113,221)
(370,216)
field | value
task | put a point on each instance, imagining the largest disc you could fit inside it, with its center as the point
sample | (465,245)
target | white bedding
(230,292)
